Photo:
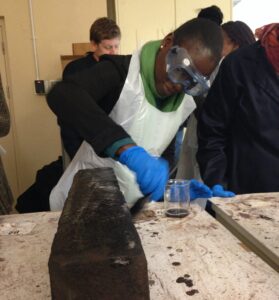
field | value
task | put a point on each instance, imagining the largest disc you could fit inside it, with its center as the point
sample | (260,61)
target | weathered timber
(96,252)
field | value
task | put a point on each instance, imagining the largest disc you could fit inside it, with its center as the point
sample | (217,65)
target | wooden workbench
(254,219)
(193,257)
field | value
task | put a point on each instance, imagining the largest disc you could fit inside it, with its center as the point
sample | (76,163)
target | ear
(167,42)
(93,46)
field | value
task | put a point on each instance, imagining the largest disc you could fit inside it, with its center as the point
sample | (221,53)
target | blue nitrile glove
(218,191)
(199,190)
(151,172)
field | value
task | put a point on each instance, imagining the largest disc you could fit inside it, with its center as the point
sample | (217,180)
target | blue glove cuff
(111,150)
(125,155)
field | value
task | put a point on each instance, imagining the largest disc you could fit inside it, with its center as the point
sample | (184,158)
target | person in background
(238,127)
(6,197)
(236,34)
(129,109)
(212,13)
(105,38)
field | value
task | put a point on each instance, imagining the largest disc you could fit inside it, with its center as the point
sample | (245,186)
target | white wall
(256,13)
(144,20)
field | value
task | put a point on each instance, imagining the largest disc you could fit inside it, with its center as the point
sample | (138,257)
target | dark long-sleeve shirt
(238,127)
(83,101)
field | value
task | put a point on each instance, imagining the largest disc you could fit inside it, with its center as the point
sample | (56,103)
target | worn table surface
(194,257)
(25,242)
(255,219)
(206,257)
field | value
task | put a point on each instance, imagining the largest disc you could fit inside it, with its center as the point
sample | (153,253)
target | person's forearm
(76,109)
(215,124)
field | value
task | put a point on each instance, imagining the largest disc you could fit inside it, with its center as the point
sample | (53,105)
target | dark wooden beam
(96,252)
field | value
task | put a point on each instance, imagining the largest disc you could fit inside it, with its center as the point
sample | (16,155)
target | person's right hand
(151,172)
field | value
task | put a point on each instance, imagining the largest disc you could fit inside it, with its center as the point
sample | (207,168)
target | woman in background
(236,34)
(238,126)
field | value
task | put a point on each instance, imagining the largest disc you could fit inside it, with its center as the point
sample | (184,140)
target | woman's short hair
(104,29)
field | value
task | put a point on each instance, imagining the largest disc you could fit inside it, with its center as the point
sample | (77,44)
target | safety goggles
(181,70)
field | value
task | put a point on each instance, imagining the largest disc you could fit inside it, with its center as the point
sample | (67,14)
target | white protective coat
(149,127)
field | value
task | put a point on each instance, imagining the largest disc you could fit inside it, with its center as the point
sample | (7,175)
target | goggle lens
(181,76)
(181,70)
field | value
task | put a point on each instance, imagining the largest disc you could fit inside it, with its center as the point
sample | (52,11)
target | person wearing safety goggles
(129,109)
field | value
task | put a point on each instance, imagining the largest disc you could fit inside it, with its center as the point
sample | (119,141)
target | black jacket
(83,101)
(238,130)
(79,65)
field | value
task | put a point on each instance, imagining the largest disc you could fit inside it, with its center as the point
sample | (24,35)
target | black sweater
(79,65)
(83,101)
